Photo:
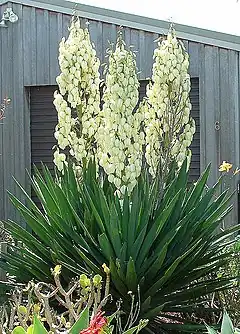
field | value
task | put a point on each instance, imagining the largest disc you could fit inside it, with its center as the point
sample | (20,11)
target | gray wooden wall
(28,57)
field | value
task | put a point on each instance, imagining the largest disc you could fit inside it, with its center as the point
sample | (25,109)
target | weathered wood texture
(28,57)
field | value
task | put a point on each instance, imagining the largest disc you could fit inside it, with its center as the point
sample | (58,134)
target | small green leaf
(81,323)
(210,330)
(154,311)
(30,330)
(227,326)
(112,317)
(140,326)
(146,304)
(38,327)
(19,330)
(131,330)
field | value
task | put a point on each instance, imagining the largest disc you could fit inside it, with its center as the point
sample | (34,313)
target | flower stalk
(119,138)
(78,99)
(168,126)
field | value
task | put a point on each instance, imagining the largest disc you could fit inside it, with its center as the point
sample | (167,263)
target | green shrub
(164,240)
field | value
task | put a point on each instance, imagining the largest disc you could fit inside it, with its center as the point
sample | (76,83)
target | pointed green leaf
(227,325)
(81,323)
(116,279)
(156,229)
(113,231)
(154,311)
(19,330)
(125,215)
(30,329)
(132,330)
(197,190)
(133,217)
(38,327)
(112,316)
(156,266)
(131,277)
(211,330)
(106,246)
(146,305)
(138,328)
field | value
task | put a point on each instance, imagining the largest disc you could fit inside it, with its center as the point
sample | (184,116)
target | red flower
(96,324)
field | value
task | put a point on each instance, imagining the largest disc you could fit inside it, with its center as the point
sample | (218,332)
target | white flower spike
(168,125)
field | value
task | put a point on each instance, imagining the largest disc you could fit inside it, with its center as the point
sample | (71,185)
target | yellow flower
(225,167)
(57,270)
(36,308)
(105,268)
(97,279)
(22,309)
(84,281)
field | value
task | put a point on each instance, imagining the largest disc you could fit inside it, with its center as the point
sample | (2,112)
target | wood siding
(28,57)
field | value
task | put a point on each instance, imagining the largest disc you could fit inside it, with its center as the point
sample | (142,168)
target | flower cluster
(169,128)
(97,324)
(65,121)
(119,138)
(225,167)
(59,159)
(78,101)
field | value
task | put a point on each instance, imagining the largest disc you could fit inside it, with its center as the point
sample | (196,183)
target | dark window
(43,123)
(195,146)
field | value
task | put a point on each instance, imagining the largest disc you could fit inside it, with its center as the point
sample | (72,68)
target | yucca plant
(166,242)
